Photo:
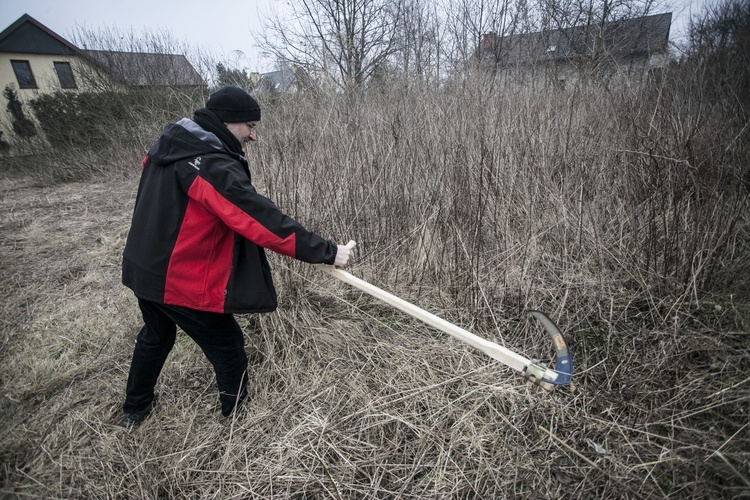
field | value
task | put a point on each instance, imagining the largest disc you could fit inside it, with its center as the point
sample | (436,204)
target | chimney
(489,43)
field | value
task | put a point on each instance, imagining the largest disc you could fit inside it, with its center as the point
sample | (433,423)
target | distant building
(627,48)
(289,79)
(35,60)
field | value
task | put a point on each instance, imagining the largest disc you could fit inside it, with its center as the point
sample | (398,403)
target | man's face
(244,132)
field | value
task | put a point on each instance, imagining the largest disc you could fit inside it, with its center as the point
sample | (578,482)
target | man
(194,254)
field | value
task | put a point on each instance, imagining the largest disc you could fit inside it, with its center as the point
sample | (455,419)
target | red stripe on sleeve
(240,221)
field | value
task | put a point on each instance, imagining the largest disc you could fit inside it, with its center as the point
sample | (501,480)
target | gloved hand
(343,254)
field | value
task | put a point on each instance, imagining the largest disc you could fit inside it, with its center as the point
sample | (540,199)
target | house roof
(620,39)
(145,69)
(276,81)
(29,36)
(288,77)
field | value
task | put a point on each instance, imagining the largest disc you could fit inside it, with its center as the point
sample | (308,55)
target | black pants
(218,335)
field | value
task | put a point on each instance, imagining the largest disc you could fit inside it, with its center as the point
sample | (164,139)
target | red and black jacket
(199,229)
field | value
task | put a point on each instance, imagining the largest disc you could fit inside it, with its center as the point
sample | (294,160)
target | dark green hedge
(101,119)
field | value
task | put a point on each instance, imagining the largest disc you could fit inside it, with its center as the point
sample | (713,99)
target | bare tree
(593,16)
(561,14)
(719,49)
(419,39)
(722,28)
(109,47)
(479,27)
(344,40)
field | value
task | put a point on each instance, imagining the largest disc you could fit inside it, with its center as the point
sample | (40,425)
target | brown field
(623,215)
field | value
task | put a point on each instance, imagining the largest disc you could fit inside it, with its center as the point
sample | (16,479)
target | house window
(25,77)
(65,75)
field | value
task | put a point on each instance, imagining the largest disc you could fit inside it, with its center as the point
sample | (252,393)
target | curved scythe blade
(564,360)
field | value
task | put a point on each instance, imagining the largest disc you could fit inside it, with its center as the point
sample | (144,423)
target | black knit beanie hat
(233,105)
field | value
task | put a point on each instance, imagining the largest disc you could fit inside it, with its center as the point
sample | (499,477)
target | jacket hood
(186,139)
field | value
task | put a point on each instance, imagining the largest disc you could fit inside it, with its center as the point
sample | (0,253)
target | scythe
(532,370)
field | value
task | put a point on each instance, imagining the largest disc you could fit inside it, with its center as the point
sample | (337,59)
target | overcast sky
(223,27)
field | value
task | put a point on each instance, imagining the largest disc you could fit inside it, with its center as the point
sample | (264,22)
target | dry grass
(476,213)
